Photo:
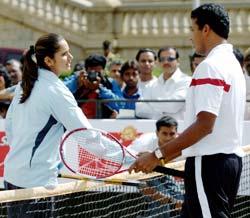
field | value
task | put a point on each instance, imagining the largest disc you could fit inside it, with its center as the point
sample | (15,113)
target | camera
(92,76)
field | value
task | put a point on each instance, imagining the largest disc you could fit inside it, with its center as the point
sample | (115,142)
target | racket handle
(169,171)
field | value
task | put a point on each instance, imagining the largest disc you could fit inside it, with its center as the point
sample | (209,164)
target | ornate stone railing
(129,19)
(172,21)
(69,14)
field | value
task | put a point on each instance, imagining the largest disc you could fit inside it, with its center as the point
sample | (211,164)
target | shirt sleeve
(147,142)
(71,83)
(65,109)
(8,119)
(208,87)
(144,110)
(108,94)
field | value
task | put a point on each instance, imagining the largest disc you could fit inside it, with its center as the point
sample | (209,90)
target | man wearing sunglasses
(171,85)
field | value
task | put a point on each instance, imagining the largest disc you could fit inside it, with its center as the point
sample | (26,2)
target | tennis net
(151,195)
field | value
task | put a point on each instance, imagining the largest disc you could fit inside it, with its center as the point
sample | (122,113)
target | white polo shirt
(218,87)
(34,130)
(174,88)
(144,86)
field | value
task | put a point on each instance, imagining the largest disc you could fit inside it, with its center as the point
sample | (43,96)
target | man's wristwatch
(158,154)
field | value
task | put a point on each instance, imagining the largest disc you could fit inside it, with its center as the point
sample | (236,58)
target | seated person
(130,75)
(165,193)
(166,130)
(88,87)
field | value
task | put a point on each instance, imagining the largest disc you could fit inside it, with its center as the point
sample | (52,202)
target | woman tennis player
(41,110)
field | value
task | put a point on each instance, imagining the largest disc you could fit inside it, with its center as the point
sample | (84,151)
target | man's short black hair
(167,48)
(166,121)
(213,15)
(144,50)
(131,64)
(95,60)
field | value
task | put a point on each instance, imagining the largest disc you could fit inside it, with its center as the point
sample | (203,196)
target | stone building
(128,24)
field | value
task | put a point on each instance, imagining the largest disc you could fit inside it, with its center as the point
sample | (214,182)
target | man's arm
(199,129)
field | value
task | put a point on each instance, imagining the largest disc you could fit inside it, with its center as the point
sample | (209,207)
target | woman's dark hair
(128,65)
(46,46)
(5,74)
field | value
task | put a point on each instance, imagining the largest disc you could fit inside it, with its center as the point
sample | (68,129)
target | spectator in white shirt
(146,59)
(172,84)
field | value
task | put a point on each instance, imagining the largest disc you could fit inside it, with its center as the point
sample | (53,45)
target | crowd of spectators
(171,85)
(108,86)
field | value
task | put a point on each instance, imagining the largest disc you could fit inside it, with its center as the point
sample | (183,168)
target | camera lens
(92,76)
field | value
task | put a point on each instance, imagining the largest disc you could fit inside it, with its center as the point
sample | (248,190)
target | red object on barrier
(4,149)
(3,152)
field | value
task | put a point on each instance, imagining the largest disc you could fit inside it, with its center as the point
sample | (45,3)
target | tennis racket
(97,154)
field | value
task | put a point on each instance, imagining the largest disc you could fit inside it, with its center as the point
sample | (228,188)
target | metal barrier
(99,102)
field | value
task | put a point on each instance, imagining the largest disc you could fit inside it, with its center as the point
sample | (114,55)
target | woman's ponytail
(30,73)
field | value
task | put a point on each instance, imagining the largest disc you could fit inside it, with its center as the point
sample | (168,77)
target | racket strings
(98,155)
(91,165)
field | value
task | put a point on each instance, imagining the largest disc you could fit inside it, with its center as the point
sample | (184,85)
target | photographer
(130,75)
(89,82)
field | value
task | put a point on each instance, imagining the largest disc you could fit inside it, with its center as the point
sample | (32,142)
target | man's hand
(146,162)
(83,81)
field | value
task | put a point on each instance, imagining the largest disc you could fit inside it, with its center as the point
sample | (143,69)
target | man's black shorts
(211,184)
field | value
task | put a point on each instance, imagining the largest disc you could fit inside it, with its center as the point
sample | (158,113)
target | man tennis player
(214,115)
